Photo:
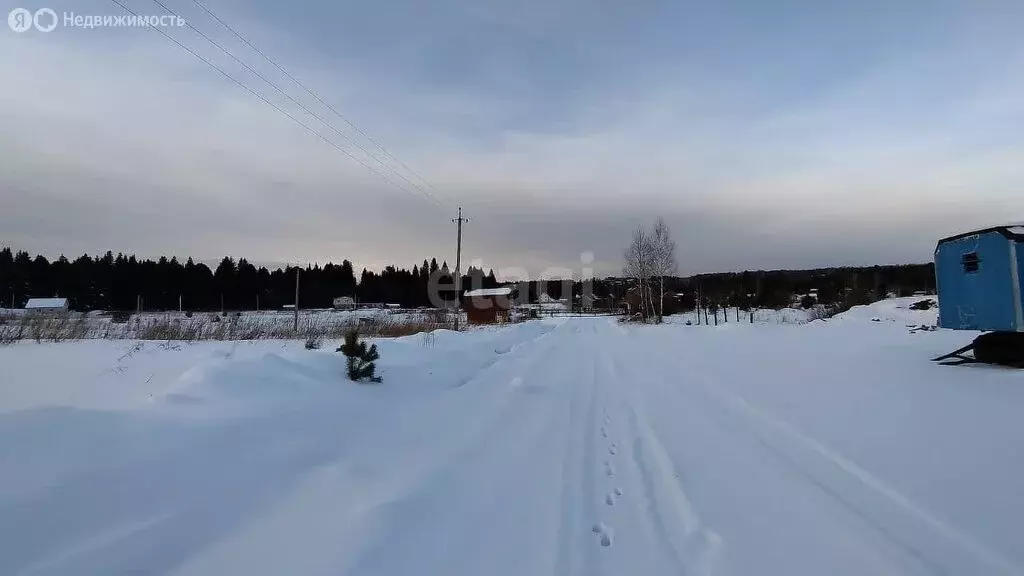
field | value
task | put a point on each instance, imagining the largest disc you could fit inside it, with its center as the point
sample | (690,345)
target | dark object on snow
(923,305)
(1002,348)
(314,342)
(360,359)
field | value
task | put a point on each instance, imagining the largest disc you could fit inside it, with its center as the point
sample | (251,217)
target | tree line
(848,286)
(120,282)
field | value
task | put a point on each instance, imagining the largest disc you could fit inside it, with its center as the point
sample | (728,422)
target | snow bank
(893,310)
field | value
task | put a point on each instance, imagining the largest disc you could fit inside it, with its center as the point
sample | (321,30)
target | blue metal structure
(979,278)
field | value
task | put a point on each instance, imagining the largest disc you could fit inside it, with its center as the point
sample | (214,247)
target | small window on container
(971,262)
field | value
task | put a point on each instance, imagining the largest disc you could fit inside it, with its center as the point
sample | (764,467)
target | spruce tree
(360,360)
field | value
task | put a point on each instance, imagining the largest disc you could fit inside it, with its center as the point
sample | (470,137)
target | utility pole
(296,328)
(179,302)
(458,268)
(696,306)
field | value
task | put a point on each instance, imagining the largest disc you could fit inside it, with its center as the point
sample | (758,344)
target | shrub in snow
(120,317)
(360,358)
(808,301)
(314,342)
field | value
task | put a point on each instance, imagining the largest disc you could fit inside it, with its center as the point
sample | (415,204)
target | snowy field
(568,446)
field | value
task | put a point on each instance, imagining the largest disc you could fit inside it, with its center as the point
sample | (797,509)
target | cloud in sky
(793,135)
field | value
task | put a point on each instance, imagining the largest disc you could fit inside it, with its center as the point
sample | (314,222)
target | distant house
(980,278)
(47,304)
(344,303)
(549,304)
(487,305)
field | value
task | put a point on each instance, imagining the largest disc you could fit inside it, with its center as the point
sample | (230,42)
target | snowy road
(583,448)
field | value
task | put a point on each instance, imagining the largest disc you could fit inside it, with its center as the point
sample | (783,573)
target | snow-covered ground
(564,446)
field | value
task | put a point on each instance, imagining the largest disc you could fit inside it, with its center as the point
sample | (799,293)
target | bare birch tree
(663,261)
(639,262)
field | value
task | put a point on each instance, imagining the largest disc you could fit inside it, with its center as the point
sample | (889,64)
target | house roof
(489,292)
(1013,231)
(39,303)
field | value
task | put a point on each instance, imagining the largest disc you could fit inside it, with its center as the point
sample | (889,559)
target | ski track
(590,449)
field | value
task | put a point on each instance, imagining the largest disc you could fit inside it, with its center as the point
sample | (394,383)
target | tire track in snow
(690,546)
(500,355)
(590,468)
(92,544)
(936,545)
(576,463)
(694,548)
(771,431)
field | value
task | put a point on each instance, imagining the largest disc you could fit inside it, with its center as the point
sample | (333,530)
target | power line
(293,100)
(309,91)
(272,105)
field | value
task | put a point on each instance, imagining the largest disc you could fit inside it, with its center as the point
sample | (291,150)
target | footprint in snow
(618,491)
(604,433)
(609,499)
(609,470)
(613,450)
(605,533)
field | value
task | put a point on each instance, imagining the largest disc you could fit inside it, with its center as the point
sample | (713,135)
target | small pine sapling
(360,358)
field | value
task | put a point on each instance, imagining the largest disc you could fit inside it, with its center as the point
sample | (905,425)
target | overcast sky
(768,134)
